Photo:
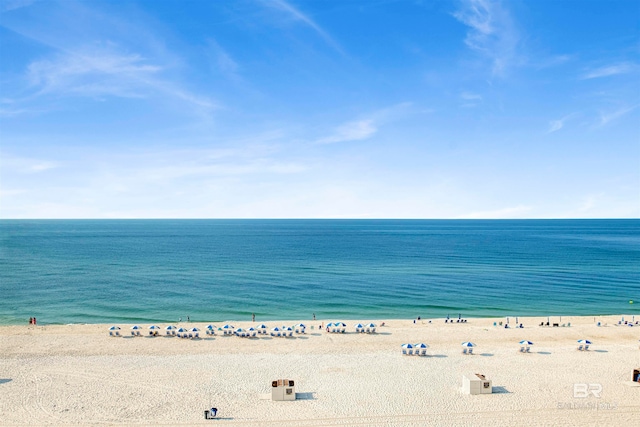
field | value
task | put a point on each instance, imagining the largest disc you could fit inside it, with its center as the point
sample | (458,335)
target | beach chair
(495,323)
(464,350)
(580,347)
(568,325)
(404,351)
(521,349)
(527,349)
(470,350)
(196,335)
(423,352)
(586,347)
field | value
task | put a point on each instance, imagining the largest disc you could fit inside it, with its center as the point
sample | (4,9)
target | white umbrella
(135,327)
(468,344)
(525,342)
(154,327)
(371,325)
(170,328)
(421,345)
(584,342)
(210,327)
(114,328)
(227,327)
(407,346)
(194,330)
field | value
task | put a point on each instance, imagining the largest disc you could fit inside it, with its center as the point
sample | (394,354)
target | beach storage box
(476,384)
(283,390)
(636,376)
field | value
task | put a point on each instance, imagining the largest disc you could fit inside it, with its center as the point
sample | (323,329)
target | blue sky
(319,109)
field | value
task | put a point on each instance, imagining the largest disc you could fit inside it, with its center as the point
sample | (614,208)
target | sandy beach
(78,374)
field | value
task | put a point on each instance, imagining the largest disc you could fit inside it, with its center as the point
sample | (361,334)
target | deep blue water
(103,271)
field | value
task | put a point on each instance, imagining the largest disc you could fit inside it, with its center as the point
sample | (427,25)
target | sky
(319,109)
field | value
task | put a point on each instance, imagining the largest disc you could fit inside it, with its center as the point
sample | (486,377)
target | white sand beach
(78,375)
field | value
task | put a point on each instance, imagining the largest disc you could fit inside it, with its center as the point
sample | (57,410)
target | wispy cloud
(299,16)
(492,32)
(608,117)
(610,70)
(352,131)
(556,125)
(222,60)
(470,99)
(100,73)
(8,5)
(25,165)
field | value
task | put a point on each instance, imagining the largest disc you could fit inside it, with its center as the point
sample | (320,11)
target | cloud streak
(352,131)
(610,70)
(556,125)
(299,16)
(491,33)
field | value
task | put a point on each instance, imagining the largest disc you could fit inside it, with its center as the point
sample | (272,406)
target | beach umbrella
(359,326)
(251,329)
(468,344)
(135,327)
(170,328)
(421,345)
(525,342)
(114,328)
(154,327)
(287,328)
(227,327)
(182,330)
(211,327)
(301,325)
(407,346)
(584,342)
(276,329)
(194,330)
(263,326)
(340,324)
(371,325)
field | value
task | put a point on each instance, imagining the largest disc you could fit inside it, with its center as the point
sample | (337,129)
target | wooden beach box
(283,390)
(476,384)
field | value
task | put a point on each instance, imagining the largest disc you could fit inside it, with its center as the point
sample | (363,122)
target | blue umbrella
(135,327)
(170,328)
(421,345)
(227,327)
(194,330)
(114,328)
(210,327)
(182,330)
(407,345)
(359,326)
(584,342)
(525,342)
(468,344)
(154,327)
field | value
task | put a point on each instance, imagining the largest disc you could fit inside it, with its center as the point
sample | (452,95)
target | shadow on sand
(500,390)
(5,380)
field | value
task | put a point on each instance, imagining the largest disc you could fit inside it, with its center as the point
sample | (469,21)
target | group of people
(32,321)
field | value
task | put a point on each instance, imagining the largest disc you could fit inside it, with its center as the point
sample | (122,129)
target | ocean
(126,271)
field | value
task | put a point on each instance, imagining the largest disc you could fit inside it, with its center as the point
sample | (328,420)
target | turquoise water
(108,271)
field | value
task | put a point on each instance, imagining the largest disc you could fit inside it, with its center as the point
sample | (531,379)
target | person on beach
(253,317)
(35,322)
(314,316)
(188,319)
(31,320)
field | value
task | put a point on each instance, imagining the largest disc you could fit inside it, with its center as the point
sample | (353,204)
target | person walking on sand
(314,316)
(253,317)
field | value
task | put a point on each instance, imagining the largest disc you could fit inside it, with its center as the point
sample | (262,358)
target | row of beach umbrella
(467,347)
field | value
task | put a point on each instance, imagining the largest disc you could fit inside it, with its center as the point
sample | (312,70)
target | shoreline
(79,375)
(525,320)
